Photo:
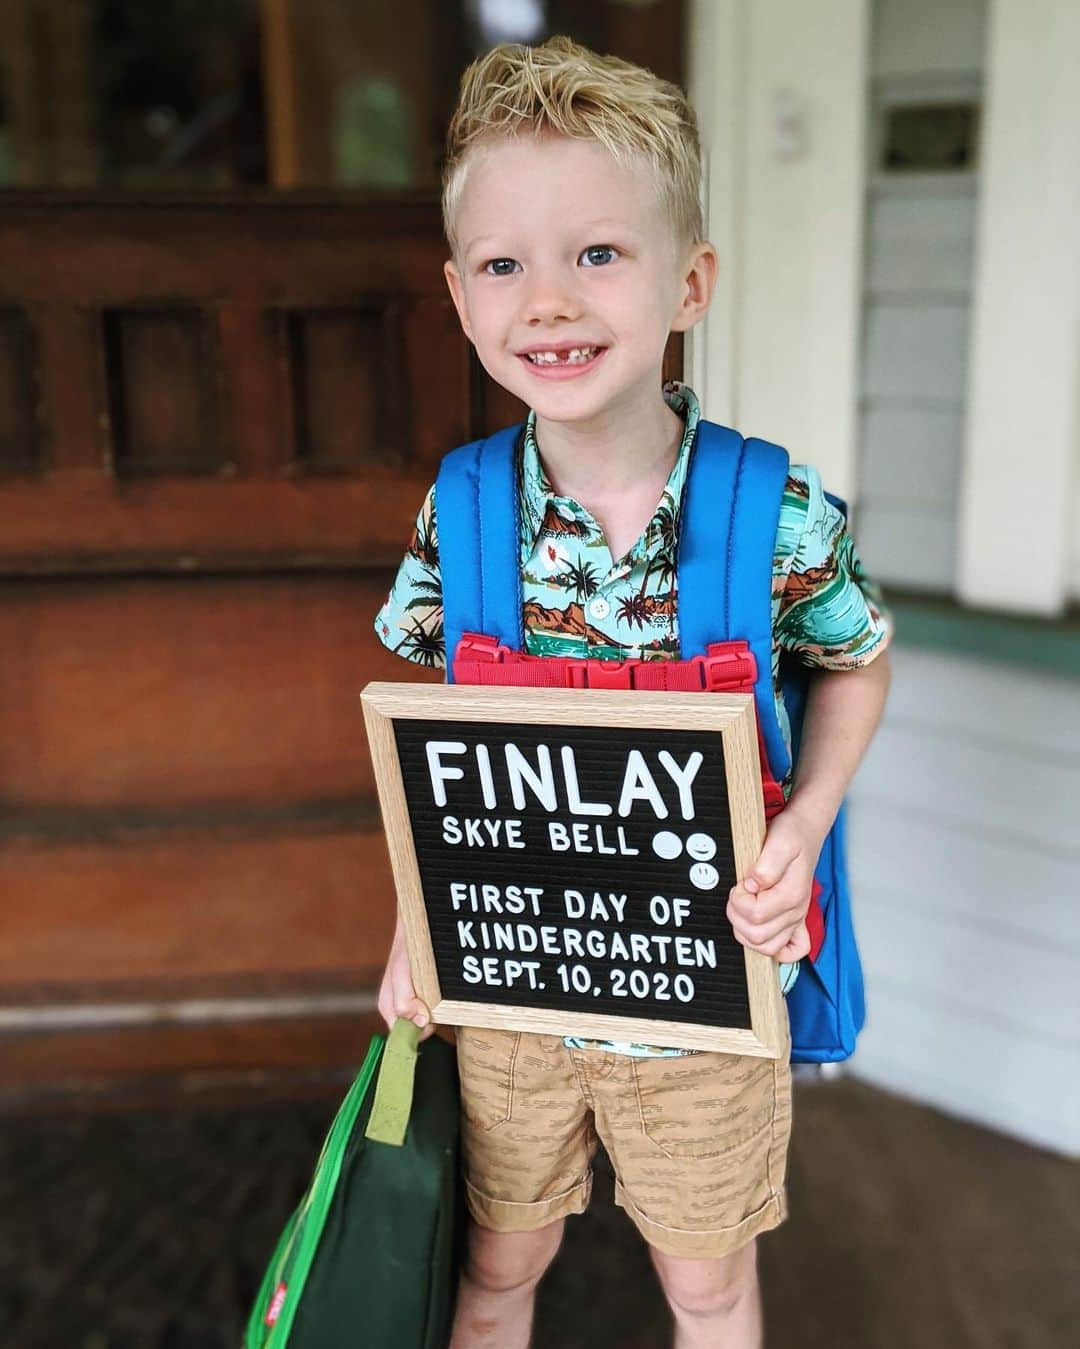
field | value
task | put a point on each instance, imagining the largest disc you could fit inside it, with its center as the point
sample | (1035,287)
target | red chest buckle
(599,674)
(726,667)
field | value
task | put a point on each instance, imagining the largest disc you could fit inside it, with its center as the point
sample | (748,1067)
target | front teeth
(575,356)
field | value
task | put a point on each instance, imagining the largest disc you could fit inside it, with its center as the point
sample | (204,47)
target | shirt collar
(537,492)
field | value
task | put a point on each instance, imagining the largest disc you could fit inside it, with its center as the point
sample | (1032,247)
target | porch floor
(149,1229)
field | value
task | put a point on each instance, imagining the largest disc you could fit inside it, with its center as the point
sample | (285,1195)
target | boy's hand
(767,910)
(397,996)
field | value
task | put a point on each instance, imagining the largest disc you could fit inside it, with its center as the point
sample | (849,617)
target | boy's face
(567,276)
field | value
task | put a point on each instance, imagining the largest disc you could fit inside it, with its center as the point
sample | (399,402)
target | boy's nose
(549,300)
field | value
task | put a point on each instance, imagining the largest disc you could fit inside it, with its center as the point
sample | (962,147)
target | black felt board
(715,968)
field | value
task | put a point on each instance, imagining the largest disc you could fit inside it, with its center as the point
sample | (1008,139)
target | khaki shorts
(699,1143)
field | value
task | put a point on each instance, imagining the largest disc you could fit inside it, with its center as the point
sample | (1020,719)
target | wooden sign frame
(729,715)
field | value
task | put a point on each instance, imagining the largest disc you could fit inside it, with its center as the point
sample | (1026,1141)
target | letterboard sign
(563,860)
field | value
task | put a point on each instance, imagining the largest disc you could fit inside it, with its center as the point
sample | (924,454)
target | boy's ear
(699,281)
(457,294)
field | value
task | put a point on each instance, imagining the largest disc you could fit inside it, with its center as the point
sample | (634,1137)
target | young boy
(571,205)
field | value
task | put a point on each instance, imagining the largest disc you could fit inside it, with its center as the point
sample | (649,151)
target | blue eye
(502,267)
(599,255)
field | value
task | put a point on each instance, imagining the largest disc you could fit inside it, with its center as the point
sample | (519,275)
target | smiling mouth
(571,356)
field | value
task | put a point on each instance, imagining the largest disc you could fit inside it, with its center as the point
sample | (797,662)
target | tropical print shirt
(579,601)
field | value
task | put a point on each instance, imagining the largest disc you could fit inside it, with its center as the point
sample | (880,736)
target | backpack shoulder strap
(728,536)
(760,494)
(730,513)
(706,537)
(476,514)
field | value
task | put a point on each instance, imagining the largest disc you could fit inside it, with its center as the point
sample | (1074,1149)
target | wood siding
(966,871)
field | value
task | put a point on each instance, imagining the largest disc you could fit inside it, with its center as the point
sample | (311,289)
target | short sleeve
(830,613)
(410,622)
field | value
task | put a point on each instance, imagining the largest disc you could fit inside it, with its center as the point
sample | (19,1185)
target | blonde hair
(563,89)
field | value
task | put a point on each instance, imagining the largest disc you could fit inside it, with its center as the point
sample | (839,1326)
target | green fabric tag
(394,1089)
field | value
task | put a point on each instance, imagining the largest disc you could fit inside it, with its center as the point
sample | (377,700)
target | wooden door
(218,416)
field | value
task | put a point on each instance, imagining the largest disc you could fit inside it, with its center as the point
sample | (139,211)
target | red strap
(727,667)
(815,921)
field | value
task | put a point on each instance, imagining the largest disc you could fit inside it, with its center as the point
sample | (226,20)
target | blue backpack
(728,525)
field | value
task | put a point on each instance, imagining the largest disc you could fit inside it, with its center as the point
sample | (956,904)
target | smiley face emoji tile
(701,847)
(704,876)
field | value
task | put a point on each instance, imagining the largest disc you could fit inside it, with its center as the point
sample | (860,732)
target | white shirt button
(599,607)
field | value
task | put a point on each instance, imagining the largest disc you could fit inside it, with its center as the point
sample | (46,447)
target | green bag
(369,1258)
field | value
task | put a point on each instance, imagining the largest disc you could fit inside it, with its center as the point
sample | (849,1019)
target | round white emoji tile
(704,876)
(667,845)
(701,847)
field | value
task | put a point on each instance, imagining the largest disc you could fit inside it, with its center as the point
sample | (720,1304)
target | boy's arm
(410,624)
(768,909)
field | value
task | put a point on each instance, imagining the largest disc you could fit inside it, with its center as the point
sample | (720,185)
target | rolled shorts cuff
(506,1215)
(694,1244)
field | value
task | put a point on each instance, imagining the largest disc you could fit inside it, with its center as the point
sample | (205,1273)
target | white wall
(965,864)
(1072,579)
(926,37)
(779,85)
(1024,403)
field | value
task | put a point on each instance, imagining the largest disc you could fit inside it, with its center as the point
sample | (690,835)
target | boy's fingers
(407,1007)
(419,1015)
(756,934)
(741,900)
(772,862)
(765,908)
(792,944)
(771,946)
(412,1009)
(798,948)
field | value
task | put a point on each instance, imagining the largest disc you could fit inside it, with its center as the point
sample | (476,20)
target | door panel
(212,898)
(129,697)
(223,387)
